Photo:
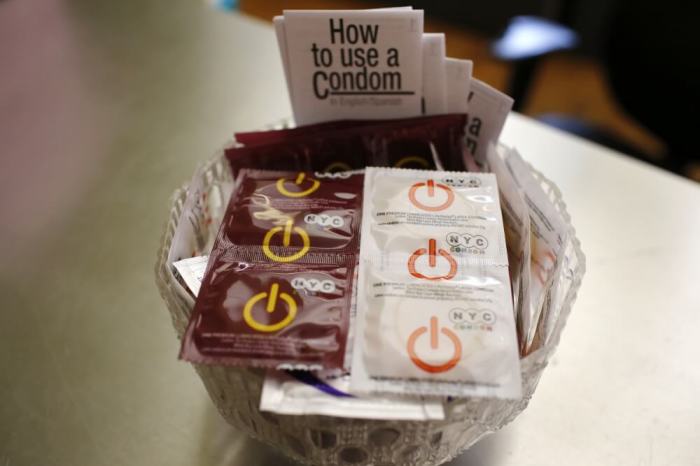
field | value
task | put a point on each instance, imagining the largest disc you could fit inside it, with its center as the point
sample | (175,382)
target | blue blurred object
(532,36)
(525,41)
(229,5)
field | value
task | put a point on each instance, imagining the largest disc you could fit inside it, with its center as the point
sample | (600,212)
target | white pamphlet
(434,84)
(307,394)
(488,110)
(356,64)
(278,22)
(458,74)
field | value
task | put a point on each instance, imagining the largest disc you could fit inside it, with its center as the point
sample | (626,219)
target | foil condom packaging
(434,306)
(278,287)
(423,142)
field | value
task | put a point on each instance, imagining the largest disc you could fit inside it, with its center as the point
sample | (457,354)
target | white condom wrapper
(435,313)
(549,234)
(516,220)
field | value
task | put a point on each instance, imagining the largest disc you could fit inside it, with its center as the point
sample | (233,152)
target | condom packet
(324,150)
(434,316)
(487,110)
(420,213)
(343,145)
(550,322)
(254,138)
(516,220)
(436,338)
(299,157)
(423,143)
(286,316)
(549,235)
(289,215)
(202,214)
(304,393)
(326,130)
(278,288)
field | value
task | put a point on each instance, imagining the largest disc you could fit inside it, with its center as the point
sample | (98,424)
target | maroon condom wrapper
(346,145)
(279,283)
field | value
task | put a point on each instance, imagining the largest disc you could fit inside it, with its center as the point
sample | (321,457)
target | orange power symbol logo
(430,186)
(432,253)
(434,368)
(272,298)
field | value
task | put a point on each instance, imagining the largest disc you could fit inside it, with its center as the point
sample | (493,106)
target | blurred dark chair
(652,62)
(651,57)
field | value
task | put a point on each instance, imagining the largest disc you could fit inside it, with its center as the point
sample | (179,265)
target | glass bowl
(324,440)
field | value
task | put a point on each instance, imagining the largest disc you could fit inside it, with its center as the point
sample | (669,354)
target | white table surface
(116,104)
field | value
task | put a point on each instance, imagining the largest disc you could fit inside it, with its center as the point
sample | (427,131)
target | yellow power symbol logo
(286,240)
(412,159)
(272,297)
(300,179)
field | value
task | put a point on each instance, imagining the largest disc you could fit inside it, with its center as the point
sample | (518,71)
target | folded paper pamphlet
(354,63)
